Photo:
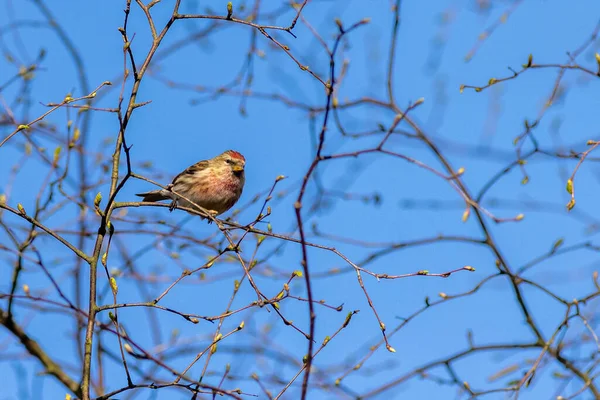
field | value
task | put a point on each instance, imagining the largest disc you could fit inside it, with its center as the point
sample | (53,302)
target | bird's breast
(233,184)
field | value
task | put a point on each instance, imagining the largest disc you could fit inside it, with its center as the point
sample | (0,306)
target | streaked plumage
(214,184)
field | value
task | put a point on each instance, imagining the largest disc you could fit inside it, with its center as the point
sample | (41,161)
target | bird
(215,184)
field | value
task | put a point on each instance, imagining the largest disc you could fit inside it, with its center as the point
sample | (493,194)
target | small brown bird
(214,184)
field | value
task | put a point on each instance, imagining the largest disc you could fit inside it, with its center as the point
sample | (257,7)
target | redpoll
(215,184)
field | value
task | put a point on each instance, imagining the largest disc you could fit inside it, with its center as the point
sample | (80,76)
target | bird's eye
(229,161)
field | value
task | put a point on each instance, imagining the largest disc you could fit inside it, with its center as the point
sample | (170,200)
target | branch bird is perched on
(214,184)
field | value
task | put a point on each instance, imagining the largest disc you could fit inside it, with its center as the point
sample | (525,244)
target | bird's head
(233,160)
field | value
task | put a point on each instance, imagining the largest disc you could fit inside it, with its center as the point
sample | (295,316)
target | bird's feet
(213,213)
(173,205)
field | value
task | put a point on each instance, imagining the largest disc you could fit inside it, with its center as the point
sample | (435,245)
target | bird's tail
(155,195)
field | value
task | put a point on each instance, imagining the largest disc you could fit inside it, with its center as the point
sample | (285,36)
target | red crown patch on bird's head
(235,154)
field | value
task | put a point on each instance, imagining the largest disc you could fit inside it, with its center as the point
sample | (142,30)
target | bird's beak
(237,168)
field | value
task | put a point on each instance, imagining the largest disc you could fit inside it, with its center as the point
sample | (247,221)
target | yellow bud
(443,295)
(520,217)
(26,289)
(2,199)
(56,155)
(557,244)
(21,209)
(570,186)
(280,177)
(571,204)
(469,268)
(466,214)
(298,273)
(348,318)
(103,260)
(390,349)
(113,284)
(97,199)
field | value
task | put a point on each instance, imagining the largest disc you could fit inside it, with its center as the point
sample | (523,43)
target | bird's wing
(191,170)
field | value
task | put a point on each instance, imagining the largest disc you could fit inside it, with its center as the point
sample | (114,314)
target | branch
(35,350)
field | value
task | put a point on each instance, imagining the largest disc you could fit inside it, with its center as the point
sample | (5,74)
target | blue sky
(174,132)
